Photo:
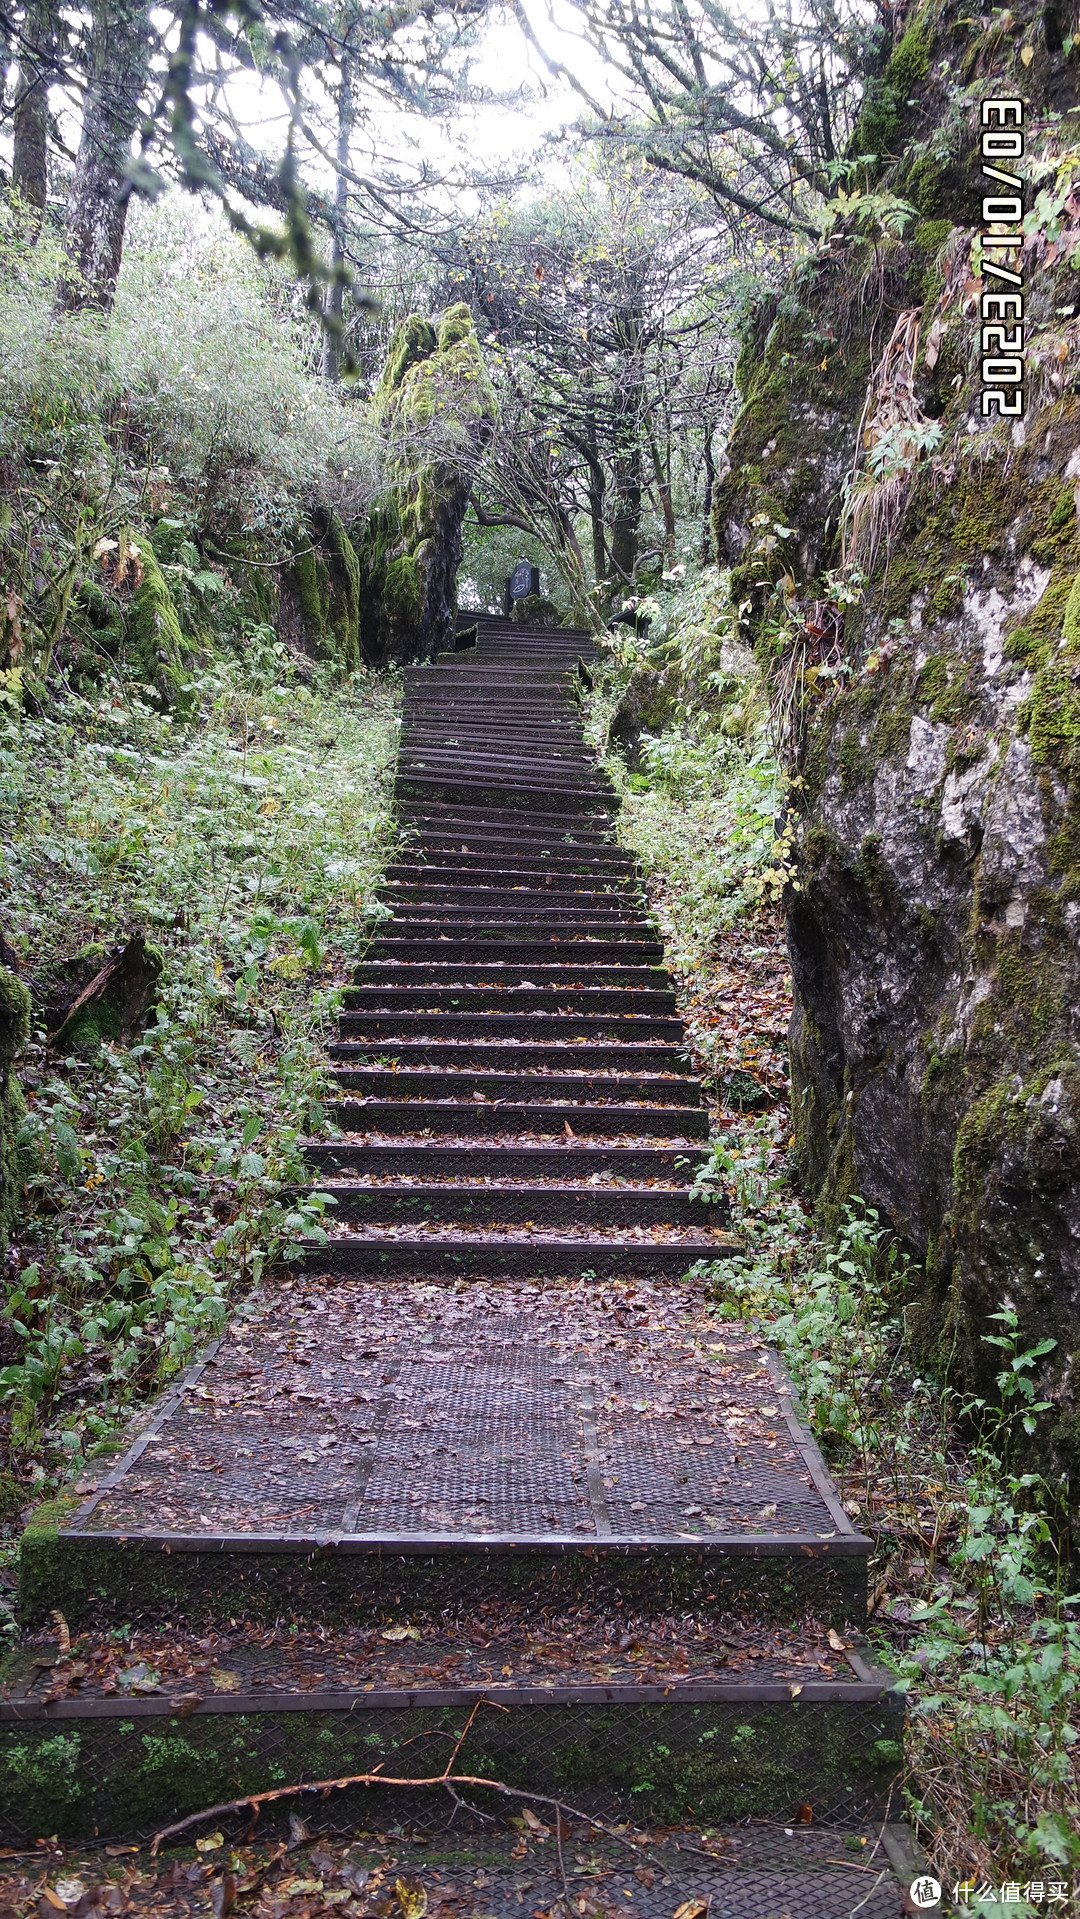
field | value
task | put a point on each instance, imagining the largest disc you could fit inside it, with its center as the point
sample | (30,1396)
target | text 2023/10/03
(1002,308)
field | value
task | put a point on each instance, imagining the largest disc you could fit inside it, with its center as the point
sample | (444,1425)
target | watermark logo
(925,1893)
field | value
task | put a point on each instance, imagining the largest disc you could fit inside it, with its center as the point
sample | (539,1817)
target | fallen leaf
(835,1641)
(933,343)
(211,1842)
(645,1875)
(804,1815)
(224,1681)
(223,1895)
(53,1898)
(690,1909)
(62,1632)
(412,1896)
(534,1824)
(398,1633)
(1027,55)
(299,1830)
(293,1887)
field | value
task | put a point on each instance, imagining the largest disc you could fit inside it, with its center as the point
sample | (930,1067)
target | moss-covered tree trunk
(436,408)
(30,117)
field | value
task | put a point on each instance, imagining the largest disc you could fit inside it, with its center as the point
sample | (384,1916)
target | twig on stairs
(378,1778)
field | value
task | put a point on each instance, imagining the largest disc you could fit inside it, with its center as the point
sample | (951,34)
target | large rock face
(935,907)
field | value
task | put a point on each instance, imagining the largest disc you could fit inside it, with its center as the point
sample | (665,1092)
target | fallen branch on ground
(451,1781)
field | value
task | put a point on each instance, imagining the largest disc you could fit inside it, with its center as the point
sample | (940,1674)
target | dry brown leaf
(835,1641)
(223,1680)
(690,1909)
(62,1633)
(210,1843)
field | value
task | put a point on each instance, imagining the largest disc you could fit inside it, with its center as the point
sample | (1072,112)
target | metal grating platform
(527,1412)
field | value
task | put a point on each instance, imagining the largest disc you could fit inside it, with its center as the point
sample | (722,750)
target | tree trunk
(663,492)
(30,123)
(708,536)
(335,299)
(626,460)
(97,207)
(626,518)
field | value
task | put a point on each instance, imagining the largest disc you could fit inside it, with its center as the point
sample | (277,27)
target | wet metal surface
(577,1411)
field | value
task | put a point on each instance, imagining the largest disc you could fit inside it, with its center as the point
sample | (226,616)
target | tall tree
(118,69)
(609,358)
(752,103)
(37,46)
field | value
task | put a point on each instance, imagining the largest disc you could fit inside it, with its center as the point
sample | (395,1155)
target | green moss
(436,407)
(872,871)
(343,613)
(928,242)
(818,848)
(414,340)
(965,747)
(945,687)
(155,641)
(535,610)
(884,111)
(892,723)
(306,575)
(1031,643)
(856,767)
(1053,717)
(722,1759)
(401,590)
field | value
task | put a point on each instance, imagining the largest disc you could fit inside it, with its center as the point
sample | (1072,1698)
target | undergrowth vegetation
(971,1587)
(158,1172)
(198,414)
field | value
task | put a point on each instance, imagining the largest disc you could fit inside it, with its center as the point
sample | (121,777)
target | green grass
(247,844)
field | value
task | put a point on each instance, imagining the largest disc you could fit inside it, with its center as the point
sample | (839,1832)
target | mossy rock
(535,610)
(884,114)
(325,582)
(156,645)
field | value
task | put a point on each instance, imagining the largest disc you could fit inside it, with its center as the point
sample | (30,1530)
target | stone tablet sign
(524,581)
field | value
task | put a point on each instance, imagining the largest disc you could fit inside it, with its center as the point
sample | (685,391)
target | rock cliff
(911,572)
